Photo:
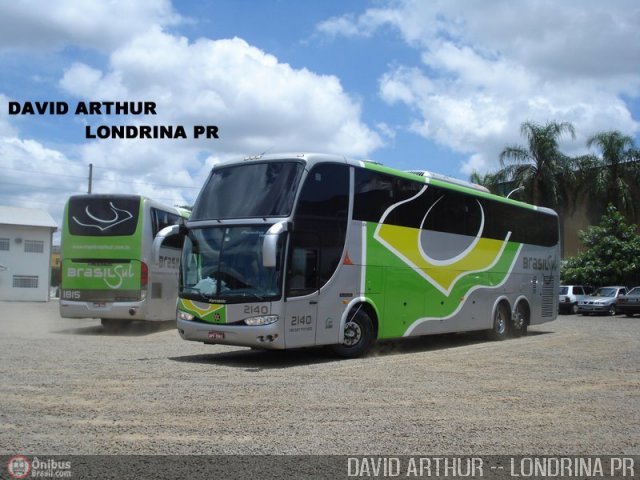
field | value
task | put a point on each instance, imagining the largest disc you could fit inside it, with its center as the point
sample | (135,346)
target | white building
(25,253)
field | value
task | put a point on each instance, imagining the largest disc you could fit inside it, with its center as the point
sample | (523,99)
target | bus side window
(162,219)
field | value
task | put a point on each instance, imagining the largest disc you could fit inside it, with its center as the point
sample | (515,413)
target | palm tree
(488,180)
(618,169)
(540,167)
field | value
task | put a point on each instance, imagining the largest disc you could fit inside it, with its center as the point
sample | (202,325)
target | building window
(4,244)
(33,246)
(25,281)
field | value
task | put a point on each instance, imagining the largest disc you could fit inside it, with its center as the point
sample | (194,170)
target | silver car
(602,301)
(629,303)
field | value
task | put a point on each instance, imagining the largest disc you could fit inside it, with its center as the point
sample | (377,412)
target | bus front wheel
(358,335)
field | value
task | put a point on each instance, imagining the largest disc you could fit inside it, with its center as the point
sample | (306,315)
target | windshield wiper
(242,293)
(255,295)
(203,296)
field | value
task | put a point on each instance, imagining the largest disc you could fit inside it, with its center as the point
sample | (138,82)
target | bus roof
(416,175)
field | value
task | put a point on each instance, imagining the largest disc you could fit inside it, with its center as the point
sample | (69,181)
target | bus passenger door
(301,304)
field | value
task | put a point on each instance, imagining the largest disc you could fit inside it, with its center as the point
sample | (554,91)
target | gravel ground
(69,387)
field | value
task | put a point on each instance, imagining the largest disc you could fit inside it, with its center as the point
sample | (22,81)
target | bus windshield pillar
(159,240)
(270,245)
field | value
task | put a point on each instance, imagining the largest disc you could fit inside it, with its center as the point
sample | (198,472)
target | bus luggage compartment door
(300,320)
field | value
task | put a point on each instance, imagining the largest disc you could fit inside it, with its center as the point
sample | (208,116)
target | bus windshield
(249,190)
(225,264)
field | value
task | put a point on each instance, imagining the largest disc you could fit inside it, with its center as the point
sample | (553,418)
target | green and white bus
(106,270)
(287,251)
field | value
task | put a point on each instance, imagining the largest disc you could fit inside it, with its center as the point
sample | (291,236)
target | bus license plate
(216,335)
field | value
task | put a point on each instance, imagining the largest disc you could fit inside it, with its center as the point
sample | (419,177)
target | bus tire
(501,322)
(520,320)
(114,323)
(108,322)
(358,335)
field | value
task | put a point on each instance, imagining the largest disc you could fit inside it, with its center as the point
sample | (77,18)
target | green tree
(611,255)
(540,167)
(616,171)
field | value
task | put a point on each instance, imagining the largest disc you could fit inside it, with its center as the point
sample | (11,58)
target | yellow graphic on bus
(405,242)
(201,311)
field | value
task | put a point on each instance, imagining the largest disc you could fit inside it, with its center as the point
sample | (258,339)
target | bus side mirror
(270,245)
(161,237)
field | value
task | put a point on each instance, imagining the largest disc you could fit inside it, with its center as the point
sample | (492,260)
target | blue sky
(441,85)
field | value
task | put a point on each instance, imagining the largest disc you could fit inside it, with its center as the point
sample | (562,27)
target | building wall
(570,225)
(25,262)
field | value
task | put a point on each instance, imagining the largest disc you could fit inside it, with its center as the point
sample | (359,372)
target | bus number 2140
(297,320)
(256,309)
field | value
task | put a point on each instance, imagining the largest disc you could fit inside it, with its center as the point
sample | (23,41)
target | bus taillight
(144,275)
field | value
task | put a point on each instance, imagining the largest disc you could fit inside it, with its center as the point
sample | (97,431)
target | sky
(440,85)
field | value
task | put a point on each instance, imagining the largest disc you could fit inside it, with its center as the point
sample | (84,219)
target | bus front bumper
(264,336)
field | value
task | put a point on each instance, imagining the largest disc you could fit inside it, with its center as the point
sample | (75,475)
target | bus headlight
(184,316)
(261,320)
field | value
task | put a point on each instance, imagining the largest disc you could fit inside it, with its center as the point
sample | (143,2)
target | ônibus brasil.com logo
(19,466)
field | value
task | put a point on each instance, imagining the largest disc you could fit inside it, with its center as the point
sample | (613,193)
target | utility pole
(90,176)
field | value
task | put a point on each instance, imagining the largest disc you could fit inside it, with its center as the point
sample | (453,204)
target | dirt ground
(571,386)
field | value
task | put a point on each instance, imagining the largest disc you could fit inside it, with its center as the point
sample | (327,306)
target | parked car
(603,300)
(630,302)
(570,295)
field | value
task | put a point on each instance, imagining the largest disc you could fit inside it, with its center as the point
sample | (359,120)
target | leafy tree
(612,254)
(540,167)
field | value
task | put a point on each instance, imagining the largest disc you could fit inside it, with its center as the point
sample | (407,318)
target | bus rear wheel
(108,322)
(501,321)
(358,335)
(114,323)
(520,320)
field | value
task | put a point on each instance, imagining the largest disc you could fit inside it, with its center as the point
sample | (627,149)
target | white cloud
(57,177)
(489,66)
(84,79)
(363,26)
(102,24)
(386,130)
(161,169)
(257,102)
(476,163)
(6,129)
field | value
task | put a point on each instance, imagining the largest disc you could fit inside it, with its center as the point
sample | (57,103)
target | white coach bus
(287,251)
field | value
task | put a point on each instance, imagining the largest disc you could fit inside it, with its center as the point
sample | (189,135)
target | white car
(570,295)
(603,300)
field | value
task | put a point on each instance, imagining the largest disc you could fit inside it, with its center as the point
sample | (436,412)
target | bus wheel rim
(352,334)
(501,325)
